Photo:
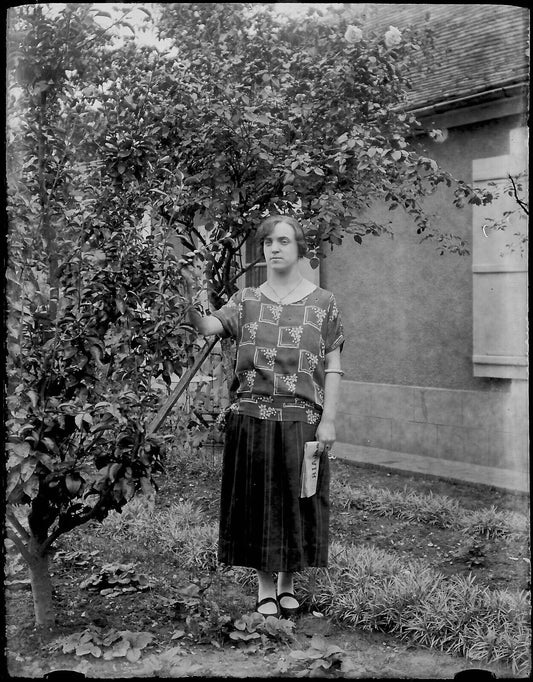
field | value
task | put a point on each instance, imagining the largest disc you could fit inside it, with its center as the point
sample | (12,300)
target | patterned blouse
(281,350)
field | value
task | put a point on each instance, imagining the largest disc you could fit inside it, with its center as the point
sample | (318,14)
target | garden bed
(152,570)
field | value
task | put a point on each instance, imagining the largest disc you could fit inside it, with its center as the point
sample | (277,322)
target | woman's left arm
(325,433)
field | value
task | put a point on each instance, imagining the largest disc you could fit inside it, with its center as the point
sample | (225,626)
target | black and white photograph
(266,341)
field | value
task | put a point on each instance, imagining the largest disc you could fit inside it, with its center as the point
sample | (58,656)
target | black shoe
(287,612)
(264,601)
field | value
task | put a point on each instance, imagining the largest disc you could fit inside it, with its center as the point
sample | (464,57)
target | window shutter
(499,268)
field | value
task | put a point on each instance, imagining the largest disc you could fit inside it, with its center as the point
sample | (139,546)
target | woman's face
(280,247)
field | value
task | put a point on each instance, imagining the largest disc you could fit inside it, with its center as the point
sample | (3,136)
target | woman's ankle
(285,582)
(265,585)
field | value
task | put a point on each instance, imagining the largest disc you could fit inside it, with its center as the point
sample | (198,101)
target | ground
(175,653)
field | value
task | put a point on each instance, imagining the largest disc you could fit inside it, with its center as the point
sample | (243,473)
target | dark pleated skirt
(264,524)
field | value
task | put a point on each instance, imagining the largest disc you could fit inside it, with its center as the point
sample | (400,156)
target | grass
(427,508)
(178,531)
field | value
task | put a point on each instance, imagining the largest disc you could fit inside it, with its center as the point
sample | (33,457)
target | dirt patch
(495,563)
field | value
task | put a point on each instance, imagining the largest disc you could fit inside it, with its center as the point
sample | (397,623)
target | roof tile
(477,48)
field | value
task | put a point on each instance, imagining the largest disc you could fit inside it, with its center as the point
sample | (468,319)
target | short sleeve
(334,329)
(228,314)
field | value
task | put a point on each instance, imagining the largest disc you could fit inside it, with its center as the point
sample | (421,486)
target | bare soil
(495,563)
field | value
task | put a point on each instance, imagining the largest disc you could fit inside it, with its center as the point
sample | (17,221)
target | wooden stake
(183,383)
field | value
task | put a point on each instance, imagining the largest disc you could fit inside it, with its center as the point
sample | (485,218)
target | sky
(138,17)
(294,8)
(143,26)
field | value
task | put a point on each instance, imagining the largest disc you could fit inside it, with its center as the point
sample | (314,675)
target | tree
(96,309)
(118,152)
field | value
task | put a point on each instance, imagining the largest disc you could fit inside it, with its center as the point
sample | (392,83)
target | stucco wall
(479,427)
(407,309)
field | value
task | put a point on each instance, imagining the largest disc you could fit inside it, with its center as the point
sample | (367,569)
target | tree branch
(242,271)
(77,521)
(519,201)
(18,526)
(19,545)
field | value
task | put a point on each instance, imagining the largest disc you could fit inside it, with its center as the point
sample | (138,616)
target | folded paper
(310,466)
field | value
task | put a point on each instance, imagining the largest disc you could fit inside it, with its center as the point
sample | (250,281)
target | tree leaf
(34,398)
(88,648)
(244,636)
(28,467)
(127,24)
(133,655)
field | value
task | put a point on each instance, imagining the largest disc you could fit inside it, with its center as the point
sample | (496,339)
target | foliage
(76,557)
(203,620)
(377,591)
(437,510)
(320,659)
(193,542)
(201,617)
(115,579)
(178,532)
(493,523)
(168,664)
(253,630)
(107,645)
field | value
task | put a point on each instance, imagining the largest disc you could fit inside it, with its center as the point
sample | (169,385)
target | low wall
(489,428)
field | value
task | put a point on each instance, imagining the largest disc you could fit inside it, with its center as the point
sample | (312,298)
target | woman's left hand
(325,435)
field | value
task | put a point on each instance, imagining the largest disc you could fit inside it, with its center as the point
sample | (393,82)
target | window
(257,274)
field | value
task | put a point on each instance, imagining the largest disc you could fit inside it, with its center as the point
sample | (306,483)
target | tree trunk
(41,587)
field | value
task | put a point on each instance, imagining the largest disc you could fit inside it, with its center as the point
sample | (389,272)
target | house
(436,357)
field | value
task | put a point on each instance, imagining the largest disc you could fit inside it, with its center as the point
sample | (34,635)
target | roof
(478,49)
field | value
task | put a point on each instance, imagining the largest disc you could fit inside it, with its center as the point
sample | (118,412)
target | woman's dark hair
(267,226)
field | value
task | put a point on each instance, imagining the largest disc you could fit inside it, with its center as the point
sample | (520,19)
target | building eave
(501,92)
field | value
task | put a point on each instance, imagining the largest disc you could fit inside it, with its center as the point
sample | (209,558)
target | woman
(287,370)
